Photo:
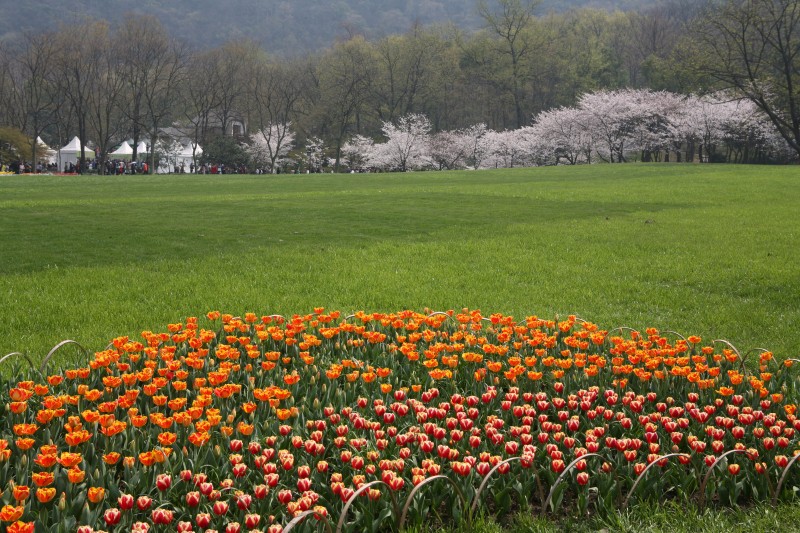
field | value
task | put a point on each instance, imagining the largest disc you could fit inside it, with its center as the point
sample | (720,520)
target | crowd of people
(117,167)
(120,166)
(24,167)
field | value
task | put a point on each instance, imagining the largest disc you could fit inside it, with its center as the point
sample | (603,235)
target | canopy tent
(44,153)
(71,153)
(187,151)
(123,152)
(172,161)
(141,148)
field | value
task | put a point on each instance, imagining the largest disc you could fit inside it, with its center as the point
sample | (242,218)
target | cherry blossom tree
(706,117)
(614,125)
(356,152)
(476,140)
(652,112)
(684,128)
(746,132)
(315,154)
(625,121)
(566,132)
(720,121)
(612,121)
(448,150)
(508,149)
(270,146)
(537,150)
(407,146)
(460,148)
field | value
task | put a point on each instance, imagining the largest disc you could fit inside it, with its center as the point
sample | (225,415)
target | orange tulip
(24,430)
(90,415)
(21,492)
(96,494)
(111,458)
(46,460)
(147,458)
(167,438)
(75,475)
(45,494)
(69,459)
(21,527)
(19,394)
(10,513)
(77,437)
(43,479)
(199,438)
(25,444)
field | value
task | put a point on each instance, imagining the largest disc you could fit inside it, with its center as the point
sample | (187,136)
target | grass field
(707,250)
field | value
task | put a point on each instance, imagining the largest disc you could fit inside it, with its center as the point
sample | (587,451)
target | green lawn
(700,249)
(671,517)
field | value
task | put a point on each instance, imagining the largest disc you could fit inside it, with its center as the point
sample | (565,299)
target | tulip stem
(702,501)
(562,476)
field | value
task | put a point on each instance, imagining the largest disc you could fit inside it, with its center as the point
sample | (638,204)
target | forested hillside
(283,27)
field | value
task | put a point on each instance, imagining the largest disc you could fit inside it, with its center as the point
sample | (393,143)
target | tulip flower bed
(375,421)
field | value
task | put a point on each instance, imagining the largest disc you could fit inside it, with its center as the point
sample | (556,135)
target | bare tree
(341,81)
(232,65)
(510,24)
(38,97)
(79,59)
(105,111)
(7,89)
(754,47)
(405,69)
(200,97)
(153,67)
(275,92)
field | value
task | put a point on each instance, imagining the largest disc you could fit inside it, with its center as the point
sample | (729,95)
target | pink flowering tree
(465,148)
(448,150)
(407,146)
(566,133)
(357,151)
(270,146)
(612,121)
(315,154)
(506,149)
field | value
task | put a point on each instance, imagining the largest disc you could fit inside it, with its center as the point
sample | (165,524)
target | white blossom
(407,146)
(270,146)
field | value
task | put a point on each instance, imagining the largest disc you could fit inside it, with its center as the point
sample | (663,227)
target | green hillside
(282,27)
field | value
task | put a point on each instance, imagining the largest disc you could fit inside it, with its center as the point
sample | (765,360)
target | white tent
(123,152)
(177,159)
(44,152)
(71,153)
(186,153)
(141,148)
